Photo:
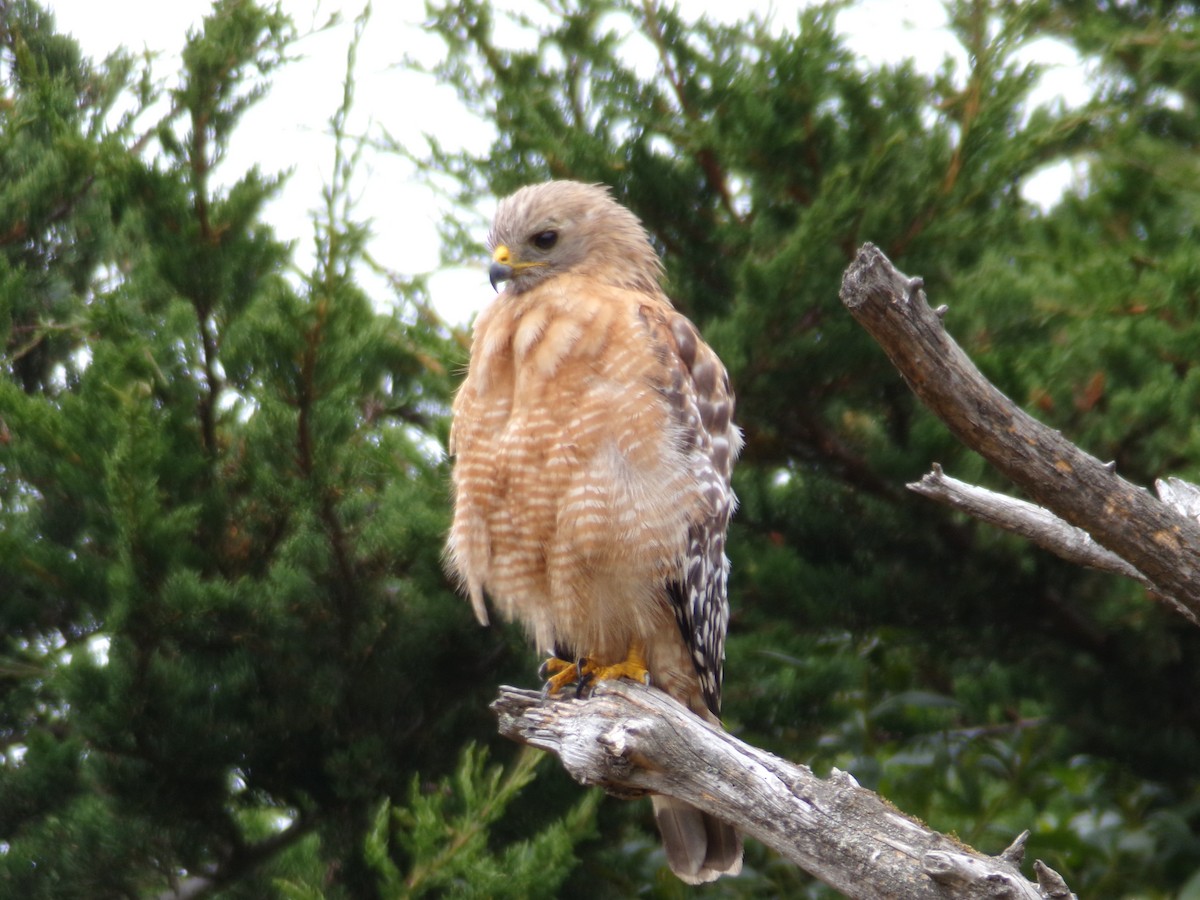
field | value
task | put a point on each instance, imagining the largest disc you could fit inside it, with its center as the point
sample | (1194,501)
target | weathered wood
(1182,496)
(1123,518)
(631,739)
(1036,524)
(1026,519)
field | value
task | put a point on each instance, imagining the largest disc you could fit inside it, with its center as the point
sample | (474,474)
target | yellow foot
(632,667)
(558,673)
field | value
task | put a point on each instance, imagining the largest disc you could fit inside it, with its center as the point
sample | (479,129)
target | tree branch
(1123,518)
(243,860)
(1026,519)
(1038,525)
(1182,496)
(632,739)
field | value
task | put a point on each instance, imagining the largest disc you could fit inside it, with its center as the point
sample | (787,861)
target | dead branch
(1182,496)
(632,739)
(1149,535)
(1035,524)
(1030,521)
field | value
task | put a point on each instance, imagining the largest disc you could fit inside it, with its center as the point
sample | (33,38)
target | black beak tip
(498,273)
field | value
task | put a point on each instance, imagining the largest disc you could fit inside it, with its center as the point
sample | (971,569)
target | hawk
(593,443)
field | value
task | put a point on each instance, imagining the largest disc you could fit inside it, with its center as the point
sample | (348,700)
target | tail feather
(699,847)
(724,856)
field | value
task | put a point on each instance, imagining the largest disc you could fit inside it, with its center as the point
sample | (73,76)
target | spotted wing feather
(702,404)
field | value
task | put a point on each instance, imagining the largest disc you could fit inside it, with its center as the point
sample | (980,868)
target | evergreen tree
(226,635)
(973,680)
(231,663)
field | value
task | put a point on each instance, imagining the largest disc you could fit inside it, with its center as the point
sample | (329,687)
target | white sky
(289,128)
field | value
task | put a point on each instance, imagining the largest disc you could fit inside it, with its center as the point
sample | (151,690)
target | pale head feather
(596,237)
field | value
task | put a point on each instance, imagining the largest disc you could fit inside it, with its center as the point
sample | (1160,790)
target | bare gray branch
(632,739)
(1149,535)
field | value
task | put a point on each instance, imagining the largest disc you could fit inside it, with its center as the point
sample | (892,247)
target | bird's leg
(558,673)
(633,667)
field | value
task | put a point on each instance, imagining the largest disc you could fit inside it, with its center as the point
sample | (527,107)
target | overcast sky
(289,130)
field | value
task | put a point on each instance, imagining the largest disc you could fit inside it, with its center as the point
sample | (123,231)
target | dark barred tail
(699,847)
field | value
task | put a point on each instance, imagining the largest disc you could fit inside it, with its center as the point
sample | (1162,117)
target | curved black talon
(583,682)
(548,679)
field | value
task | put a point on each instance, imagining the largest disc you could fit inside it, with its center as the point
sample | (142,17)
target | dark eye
(545,240)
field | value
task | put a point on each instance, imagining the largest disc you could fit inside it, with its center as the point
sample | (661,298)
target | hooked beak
(501,269)
(504,267)
(498,273)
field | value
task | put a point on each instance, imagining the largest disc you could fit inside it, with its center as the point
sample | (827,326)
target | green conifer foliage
(977,682)
(225,635)
(229,660)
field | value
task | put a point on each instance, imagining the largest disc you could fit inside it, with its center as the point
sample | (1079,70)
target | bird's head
(565,226)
